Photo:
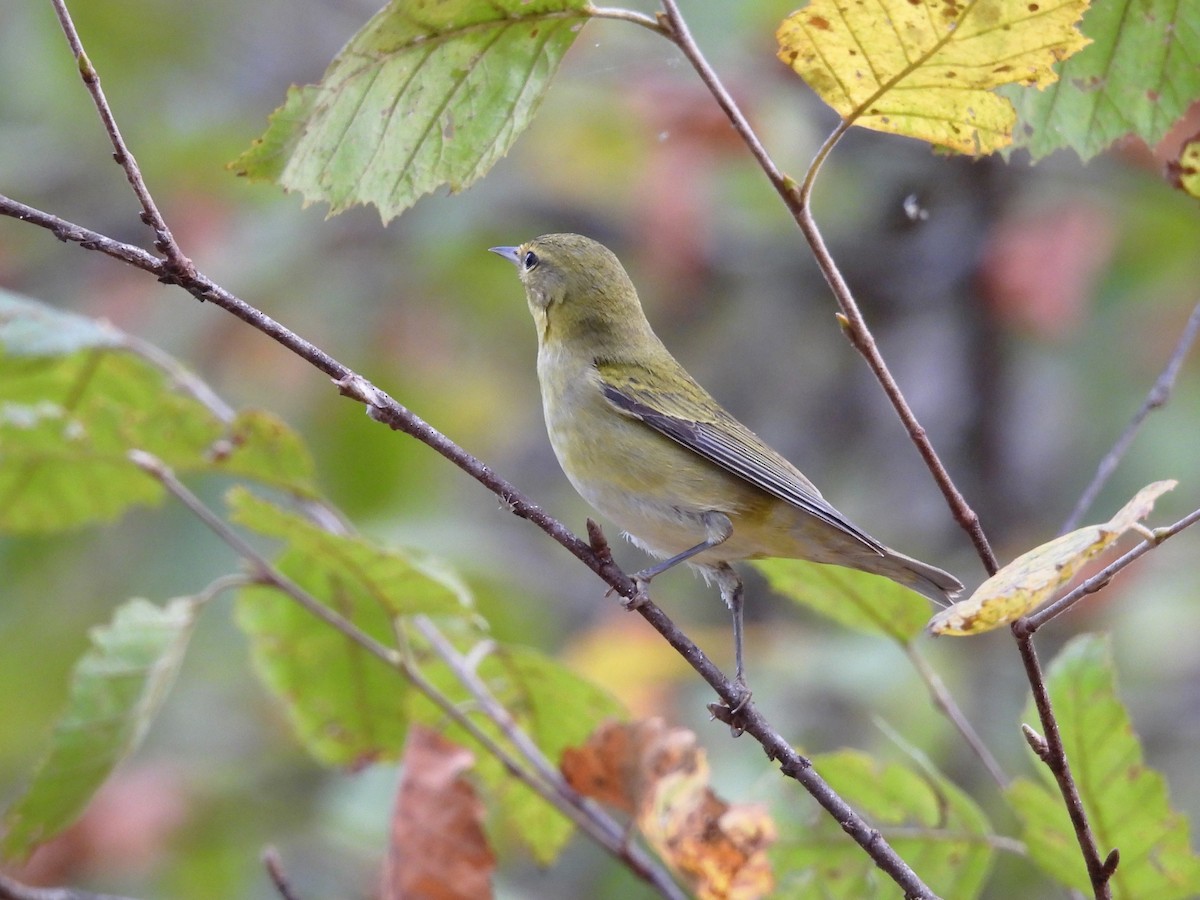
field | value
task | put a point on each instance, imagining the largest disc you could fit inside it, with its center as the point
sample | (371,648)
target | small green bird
(650,449)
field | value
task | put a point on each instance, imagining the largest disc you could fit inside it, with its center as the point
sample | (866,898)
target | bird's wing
(724,440)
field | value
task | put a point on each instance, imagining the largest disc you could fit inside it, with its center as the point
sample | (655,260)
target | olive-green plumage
(650,449)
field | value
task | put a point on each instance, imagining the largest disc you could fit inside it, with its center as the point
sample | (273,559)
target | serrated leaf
(116,690)
(1138,77)
(1035,576)
(73,400)
(347,706)
(259,445)
(426,94)
(858,600)
(1126,802)
(77,395)
(934,826)
(928,68)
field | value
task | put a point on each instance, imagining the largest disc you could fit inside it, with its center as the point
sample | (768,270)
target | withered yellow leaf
(1185,169)
(659,775)
(1034,577)
(926,68)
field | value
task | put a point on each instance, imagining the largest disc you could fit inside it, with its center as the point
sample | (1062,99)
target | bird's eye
(530,262)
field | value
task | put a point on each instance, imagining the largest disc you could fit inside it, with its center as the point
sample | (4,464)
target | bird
(651,450)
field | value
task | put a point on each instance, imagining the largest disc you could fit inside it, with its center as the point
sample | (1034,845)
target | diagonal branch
(384,409)
(796,198)
(164,241)
(1158,396)
(592,820)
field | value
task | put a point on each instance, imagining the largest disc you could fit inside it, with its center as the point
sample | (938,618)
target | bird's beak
(509,253)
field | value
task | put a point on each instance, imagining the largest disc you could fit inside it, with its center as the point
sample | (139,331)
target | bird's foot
(733,712)
(639,599)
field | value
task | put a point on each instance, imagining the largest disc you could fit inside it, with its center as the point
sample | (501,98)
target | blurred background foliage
(1026,312)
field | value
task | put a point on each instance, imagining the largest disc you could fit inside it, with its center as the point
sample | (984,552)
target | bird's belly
(656,491)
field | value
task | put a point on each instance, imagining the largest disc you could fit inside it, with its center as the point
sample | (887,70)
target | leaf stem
(626,15)
(944,701)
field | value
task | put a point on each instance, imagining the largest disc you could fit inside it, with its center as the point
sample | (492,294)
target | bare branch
(944,701)
(178,265)
(589,817)
(796,198)
(1055,758)
(1158,396)
(1029,624)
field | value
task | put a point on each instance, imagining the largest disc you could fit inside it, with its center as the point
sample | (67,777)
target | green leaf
(1126,802)
(116,690)
(77,395)
(857,600)
(557,709)
(347,706)
(73,400)
(932,824)
(258,445)
(428,93)
(1138,77)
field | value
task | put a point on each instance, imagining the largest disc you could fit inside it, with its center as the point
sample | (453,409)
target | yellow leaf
(926,68)
(1185,170)
(1034,577)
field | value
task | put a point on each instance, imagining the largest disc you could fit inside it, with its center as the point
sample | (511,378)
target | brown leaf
(661,776)
(438,850)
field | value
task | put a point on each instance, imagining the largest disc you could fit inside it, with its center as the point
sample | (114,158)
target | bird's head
(577,289)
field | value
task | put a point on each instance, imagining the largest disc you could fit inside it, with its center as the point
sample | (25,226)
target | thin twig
(273,863)
(1158,396)
(944,701)
(178,265)
(1055,759)
(551,778)
(591,819)
(1030,624)
(11,889)
(796,198)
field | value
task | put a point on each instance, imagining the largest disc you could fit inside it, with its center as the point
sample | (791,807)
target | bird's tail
(928,581)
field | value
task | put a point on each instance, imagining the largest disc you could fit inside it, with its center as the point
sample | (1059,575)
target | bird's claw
(733,714)
(639,599)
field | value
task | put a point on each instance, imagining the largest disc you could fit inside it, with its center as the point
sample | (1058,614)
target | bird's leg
(717,529)
(731,592)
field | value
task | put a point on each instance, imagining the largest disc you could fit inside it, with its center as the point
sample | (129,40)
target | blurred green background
(1026,312)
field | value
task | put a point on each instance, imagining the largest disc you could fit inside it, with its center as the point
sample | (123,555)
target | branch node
(1110,864)
(599,543)
(1036,742)
(358,388)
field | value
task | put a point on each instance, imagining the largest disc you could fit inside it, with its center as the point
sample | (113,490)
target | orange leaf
(659,775)
(438,850)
